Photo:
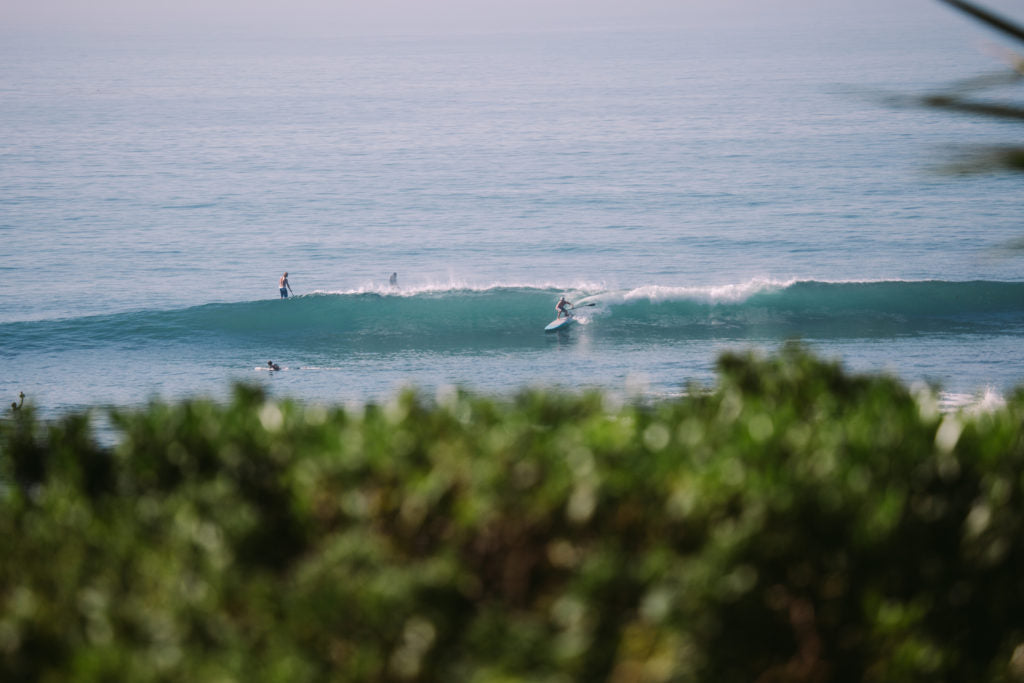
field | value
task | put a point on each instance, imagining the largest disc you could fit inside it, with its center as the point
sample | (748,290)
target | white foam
(577,287)
(728,293)
(590,291)
(985,401)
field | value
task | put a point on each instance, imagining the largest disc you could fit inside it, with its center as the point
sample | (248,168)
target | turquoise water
(704,189)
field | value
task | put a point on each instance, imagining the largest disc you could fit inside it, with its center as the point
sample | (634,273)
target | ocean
(694,189)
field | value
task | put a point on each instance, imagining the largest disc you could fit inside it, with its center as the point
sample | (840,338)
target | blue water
(704,188)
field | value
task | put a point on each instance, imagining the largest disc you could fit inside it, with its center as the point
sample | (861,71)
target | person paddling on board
(561,308)
(285,287)
(271,365)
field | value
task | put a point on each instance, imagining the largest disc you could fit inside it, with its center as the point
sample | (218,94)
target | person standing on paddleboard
(285,287)
(560,308)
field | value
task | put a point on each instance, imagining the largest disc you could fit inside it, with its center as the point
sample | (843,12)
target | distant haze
(414,16)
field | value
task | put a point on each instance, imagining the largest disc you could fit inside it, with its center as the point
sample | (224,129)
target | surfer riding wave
(562,308)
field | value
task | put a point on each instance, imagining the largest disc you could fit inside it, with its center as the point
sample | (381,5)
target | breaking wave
(511,316)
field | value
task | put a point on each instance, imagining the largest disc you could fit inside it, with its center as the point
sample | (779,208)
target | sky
(41,21)
(414,16)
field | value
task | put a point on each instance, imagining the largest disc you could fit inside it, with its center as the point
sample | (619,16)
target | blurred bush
(792,523)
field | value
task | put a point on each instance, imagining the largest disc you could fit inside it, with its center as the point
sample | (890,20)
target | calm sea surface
(695,189)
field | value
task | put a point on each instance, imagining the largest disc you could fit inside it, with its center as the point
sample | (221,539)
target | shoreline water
(635,390)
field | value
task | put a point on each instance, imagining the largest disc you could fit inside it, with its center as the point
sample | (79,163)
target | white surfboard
(559,324)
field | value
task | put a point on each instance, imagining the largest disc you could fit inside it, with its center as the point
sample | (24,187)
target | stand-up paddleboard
(559,324)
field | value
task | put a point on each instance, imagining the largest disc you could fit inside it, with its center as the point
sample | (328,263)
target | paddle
(569,312)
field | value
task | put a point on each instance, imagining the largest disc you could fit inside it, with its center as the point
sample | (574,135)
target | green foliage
(793,523)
